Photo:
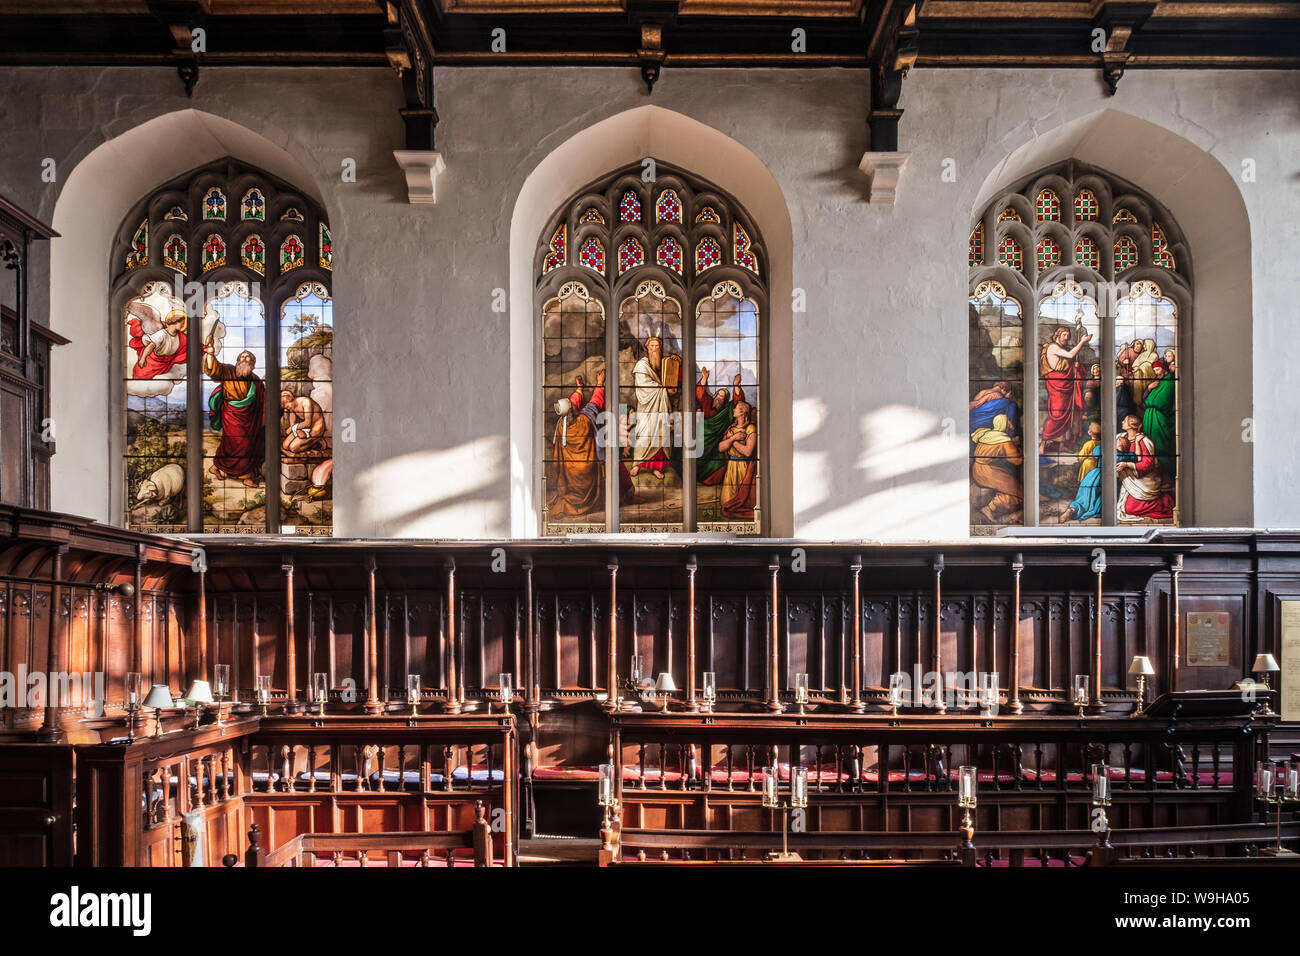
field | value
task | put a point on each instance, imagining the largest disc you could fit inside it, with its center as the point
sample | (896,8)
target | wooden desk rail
(393,848)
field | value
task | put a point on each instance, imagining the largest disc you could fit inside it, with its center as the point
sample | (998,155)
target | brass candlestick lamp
(896,692)
(663,687)
(709,691)
(1264,665)
(966,777)
(505,693)
(413,693)
(320,690)
(134,686)
(264,693)
(801,693)
(200,693)
(796,799)
(1100,801)
(607,798)
(1268,793)
(989,689)
(221,687)
(1080,695)
(160,696)
(1141,669)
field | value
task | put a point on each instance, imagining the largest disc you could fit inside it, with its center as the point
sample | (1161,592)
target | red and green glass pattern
(253,206)
(214,252)
(668,208)
(1010,255)
(707,254)
(292,253)
(630,255)
(976,254)
(1047,253)
(138,254)
(1160,253)
(1047,207)
(1009,215)
(592,215)
(326,248)
(1126,253)
(556,254)
(174,254)
(214,204)
(742,254)
(1086,252)
(1085,206)
(592,255)
(629,207)
(707,214)
(252,253)
(669,254)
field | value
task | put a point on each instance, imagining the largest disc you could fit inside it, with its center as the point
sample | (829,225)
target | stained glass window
(209,468)
(1126,254)
(253,206)
(630,254)
(592,215)
(1009,253)
(645,481)
(996,448)
(1160,253)
(214,204)
(592,254)
(1047,253)
(1085,206)
(1086,252)
(252,253)
(326,247)
(976,256)
(214,252)
(707,254)
(555,253)
(629,207)
(1047,207)
(744,257)
(1009,214)
(174,253)
(1065,438)
(668,208)
(307,410)
(138,253)
(669,254)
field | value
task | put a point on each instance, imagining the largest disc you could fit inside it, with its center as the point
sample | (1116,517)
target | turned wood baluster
(1017,566)
(774,674)
(941,704)
(857,703)
(691,567)
(641,765)
(290,637)
(380,769)
(401,766)
(311,768)
(1038,765)
(1216,764)
(1196,765)
(611,704)
(453,694)
(373,706)
(447,767)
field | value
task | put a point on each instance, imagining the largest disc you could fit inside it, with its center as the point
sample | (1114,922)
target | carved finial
(480,812)
(255,836)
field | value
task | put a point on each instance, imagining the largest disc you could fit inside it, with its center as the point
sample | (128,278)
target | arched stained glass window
(669,254)
(1009,214)
(630,254)
(592,215)
(1061,433)
(1010,254)
(137,253)
(976,256)
(206,365)
(669,330)
(1047,207)
(556,251)
(592,254)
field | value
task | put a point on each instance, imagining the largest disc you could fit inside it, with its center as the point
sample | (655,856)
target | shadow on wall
(447,493)
(900,484)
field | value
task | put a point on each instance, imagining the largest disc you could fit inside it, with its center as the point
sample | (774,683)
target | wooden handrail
(294,852)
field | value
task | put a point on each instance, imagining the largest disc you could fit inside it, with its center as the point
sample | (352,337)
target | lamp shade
(664,684)
(200,692)
(1264,664)
(160,695)
(1141,667)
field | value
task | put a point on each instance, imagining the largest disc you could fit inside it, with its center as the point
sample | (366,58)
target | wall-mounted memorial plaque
(1207,638)
(1289,679)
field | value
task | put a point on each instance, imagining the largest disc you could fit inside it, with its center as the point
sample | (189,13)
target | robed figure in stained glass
(237,409)
(578,482)
(656,379)
(1064,384)
(718,412)
(159,343)
(1142,492)
(740,445)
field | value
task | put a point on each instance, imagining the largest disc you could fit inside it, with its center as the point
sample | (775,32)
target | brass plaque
(1207,638)
(1290,662)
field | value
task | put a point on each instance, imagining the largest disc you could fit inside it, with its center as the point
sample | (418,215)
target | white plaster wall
(877,362)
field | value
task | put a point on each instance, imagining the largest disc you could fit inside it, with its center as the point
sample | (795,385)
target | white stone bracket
(883,171)
(422,168)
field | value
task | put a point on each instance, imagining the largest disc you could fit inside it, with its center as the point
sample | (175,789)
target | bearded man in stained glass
(237,409)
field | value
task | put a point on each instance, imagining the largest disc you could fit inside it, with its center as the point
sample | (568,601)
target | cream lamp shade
(664,684)
(1264,664)
(200,692)
(160,695)
(1141,667)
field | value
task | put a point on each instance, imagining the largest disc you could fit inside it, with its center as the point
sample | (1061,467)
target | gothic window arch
(652,407)
(1080,310)
(222,336)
